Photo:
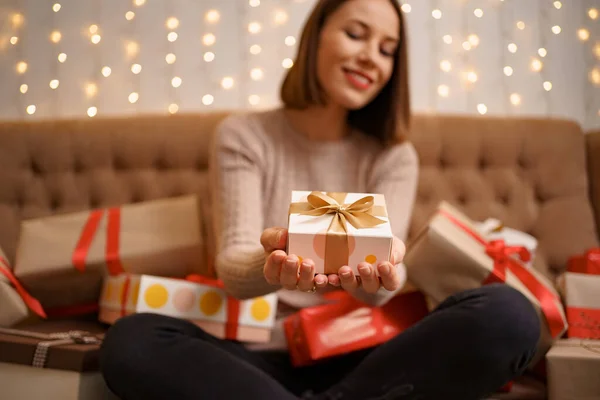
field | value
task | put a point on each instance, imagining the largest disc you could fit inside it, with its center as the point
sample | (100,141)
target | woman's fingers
(368,277)
(307,275)
(272,269)
(347,279)
(274,239)
(289,272)
(334,280)
(320,281)
(390,279)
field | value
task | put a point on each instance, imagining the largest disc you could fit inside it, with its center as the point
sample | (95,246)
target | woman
(343,127)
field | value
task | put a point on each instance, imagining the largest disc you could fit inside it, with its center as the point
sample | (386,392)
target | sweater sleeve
(395,175)
(236,171)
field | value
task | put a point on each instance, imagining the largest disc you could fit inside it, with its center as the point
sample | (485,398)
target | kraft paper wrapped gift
(13,308)
(581,293)
(201,300)
(449,256)
(337,229)
(573,370)
(62,260)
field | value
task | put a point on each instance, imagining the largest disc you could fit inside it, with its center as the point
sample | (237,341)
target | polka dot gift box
(197,299)
(337,229)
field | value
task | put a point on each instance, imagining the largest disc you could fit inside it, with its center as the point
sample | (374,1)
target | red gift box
(587,263)
(347,325)
(580,286)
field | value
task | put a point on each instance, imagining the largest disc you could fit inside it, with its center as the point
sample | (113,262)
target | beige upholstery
(593,159)
(530,173)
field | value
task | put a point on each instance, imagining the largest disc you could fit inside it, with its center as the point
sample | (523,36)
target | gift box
(337,229)
(201,300)
(587,263)
(581,295)
(494,229)
(573,369)
(58,357)
(345,325)
(14,298)
(62,260)
(449,256)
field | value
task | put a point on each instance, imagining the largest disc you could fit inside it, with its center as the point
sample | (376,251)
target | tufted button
(78,166)
(200,165)
(119,163)
(483,163)
(161,164)
(504,199)
(462,199)
(54,204)
(443,163)
(35,168)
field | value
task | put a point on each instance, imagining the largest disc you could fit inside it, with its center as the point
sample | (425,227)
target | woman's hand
(388,275)
(286,270)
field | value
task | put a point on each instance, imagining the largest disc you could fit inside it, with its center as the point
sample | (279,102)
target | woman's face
(357,51)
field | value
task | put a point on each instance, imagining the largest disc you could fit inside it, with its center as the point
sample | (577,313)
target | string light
(14,40)
(254,100)
(287,63)
(172,36)
(212,16)
(92,111)
(558,5)
(56,7)
(136,68)
(482,109)
(256,74)
(227,82)
(129,15)
(209,39)
(173,108)
(255,49)
(207,99)
(31,109)
(446,66)
(176,82)
(478,12)
(556,29)
(547,86)
(254,3)
(443,90)
(447,39)
(593,13)
(209,56)
(281,17)
(22,67)
(406,8)
(521,25)
(172,23)
(139,3)
(536,65)
(23,88)
(54,84)
(512,48)
(290,41)
(170,58)
(133,97)
(583,34)
(437,14)
(106,71)
(254,27)
(515,99)
(542,52)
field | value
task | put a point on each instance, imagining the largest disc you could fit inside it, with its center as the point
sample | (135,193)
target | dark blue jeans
(471,345)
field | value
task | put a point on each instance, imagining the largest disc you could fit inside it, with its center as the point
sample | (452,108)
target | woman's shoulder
(248,121)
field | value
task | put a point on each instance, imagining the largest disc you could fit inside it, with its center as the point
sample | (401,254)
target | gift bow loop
(498,249)
(356,214)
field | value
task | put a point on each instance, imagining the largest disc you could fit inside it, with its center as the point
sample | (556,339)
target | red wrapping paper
(329,330)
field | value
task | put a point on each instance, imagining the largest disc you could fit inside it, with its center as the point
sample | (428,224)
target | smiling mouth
(357,79)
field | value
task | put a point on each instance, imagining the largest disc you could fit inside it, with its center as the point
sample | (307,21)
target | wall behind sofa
(105,57)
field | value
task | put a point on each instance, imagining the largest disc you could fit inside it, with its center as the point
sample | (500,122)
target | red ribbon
(113,230)
(583,322)
(589,263)
(31,302)
(233,304)
(503,261)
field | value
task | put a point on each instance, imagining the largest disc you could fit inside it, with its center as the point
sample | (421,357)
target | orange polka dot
(211,302)
(108,291)
(156,296)
(260,309)
(371,259)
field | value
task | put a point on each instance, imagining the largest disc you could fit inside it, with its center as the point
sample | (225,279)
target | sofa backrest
(593,159)
(529,173)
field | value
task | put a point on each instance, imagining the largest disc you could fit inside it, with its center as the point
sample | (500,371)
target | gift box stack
(93,264)
(573,364)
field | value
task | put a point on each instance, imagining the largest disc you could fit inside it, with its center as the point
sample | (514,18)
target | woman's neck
(320,123)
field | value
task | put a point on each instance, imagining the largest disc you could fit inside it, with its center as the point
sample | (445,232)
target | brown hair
(386,117)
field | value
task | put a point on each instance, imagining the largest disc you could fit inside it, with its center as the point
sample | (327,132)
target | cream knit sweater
(259,159)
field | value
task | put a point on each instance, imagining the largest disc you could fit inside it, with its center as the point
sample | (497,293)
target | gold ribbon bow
(360,214)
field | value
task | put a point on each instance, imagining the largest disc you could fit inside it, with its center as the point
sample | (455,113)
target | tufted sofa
(533,174)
